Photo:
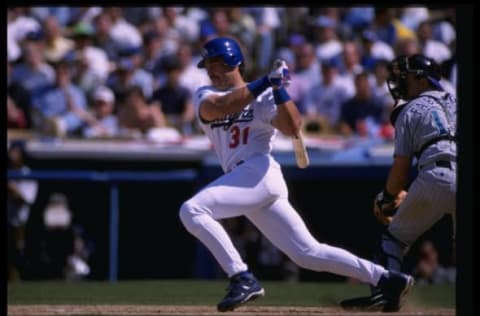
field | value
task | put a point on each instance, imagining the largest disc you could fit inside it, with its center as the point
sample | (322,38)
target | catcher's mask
(419,65)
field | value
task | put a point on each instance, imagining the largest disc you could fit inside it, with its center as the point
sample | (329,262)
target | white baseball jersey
(231,134)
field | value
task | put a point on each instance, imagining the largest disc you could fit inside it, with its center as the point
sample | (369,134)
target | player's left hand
(384,208)
(280,75)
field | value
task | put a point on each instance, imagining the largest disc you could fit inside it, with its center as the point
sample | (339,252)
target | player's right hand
(384,208)
(280,75)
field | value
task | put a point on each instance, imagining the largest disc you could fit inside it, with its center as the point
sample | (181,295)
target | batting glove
(280,75)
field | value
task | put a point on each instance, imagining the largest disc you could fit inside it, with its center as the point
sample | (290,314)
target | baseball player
(241,120)
(425,129)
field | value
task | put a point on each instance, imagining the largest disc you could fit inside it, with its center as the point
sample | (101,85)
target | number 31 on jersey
(238,135)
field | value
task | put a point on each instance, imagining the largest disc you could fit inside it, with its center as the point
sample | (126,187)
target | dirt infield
(195,310)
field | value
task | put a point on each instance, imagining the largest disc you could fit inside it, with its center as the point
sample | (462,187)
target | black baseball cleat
(374,302)
(243,288)
(393,288)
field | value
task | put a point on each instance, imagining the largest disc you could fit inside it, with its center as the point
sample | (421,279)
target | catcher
(425,129)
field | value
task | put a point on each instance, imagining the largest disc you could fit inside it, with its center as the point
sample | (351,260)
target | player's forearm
(233,102)
(288,119)
(398,176)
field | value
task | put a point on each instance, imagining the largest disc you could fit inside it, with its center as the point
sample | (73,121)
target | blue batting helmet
(224,47)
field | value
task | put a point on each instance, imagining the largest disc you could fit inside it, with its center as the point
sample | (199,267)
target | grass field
(182,297)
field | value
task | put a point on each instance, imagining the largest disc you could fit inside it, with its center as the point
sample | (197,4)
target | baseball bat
(301,154)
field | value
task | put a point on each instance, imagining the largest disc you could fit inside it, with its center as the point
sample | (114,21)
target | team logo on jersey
(245,115)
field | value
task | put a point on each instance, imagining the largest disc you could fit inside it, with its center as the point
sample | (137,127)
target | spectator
(122,32)
(307,65)
(374,50)
(136,117)
(21,194)
(381,95)
(142,16)
(186,27)
(102,122)
(25,80)
(36,39)
(220,22)
(361,115)
(428,269)
(429,47)
(62,14)
(242,26)
(16,117)
(174,100)
(328,45)
(128,74)
(168,35)
(407,47)
(18,26)
(267,22)
(95,58)
(92,65)
(379,84)
(64,253)
(324,101)
(350,67)
(57,107)
(388,28)
(86,15)
(444,28)
(411,17)
(190,77)
(18,103)
(57,46)
(102,37)
(153,52)
(34,75)
(295,42)
(359,18)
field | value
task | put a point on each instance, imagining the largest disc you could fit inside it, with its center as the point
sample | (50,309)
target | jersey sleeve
(200,95)
(403,138)
(268,108)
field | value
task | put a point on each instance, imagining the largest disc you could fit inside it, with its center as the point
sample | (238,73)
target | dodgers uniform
(253,186)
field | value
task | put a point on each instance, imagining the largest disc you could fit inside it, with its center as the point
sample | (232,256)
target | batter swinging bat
(301,154)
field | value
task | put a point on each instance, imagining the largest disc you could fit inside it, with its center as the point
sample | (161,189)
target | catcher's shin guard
(390,252)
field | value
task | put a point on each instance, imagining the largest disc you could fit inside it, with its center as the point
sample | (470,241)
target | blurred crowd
(123,72)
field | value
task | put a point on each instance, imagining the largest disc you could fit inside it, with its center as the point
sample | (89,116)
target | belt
(443,164)
(236,165)
(439,163)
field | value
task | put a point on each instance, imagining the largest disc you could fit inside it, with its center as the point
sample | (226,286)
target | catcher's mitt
(384,207)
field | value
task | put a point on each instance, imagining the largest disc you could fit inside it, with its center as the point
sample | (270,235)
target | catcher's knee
(390,252)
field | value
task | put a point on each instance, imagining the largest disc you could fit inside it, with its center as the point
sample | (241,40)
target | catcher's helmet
(224,47)
(419,65)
